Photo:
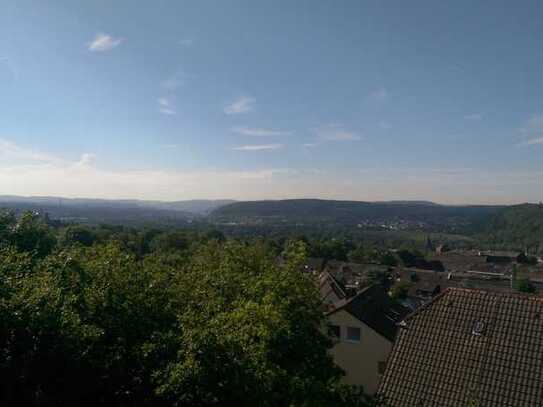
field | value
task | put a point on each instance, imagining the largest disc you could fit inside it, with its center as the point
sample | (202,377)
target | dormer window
(478,328)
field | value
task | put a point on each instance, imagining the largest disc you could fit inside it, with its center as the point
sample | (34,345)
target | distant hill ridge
(353,211)
(116,212)
(193,206)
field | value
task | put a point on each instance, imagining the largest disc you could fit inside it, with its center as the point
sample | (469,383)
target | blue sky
(365,100)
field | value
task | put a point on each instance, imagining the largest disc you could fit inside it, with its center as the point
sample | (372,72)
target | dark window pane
(353,334)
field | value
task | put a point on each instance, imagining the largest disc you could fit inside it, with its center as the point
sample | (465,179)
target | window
(353,334)
(334,331)
(478,328)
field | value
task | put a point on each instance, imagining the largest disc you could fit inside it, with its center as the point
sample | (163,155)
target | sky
(362,100)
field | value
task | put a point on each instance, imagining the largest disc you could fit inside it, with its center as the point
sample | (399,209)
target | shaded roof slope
(376,309)
(469,347)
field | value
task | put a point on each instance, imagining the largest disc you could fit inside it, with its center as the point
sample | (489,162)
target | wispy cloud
(259,132)
(531,142)
(379,95)
(176,80)
(340,135)
(11,152)
(104,42)
(10,66)
(165,106)
(259,147)
(332,133)
(384,125)
(531,131)
(186,42)
(474,116)
(532,125)
(86,160)
(243,104)
(172,83)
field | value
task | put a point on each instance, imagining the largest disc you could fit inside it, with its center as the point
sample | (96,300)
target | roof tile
(469,346)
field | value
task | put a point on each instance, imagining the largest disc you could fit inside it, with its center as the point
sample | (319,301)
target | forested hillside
(316,211)
(519,225)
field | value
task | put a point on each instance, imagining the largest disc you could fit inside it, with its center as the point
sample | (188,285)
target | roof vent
(478,328)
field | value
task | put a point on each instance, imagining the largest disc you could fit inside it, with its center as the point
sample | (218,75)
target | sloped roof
(328,284)
(376,309)
(468,347)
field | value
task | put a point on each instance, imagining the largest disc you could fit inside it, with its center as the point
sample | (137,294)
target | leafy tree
(170,241)
(524,285)
(408,258)
(7,222)
(413,277)
(400,290)
(388,259)
(222,326)
(215,235)
(77,234)
(31,234)
(522,258)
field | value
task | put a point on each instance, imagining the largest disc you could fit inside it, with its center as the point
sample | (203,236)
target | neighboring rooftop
(468,348)
(331,291)
(376,309)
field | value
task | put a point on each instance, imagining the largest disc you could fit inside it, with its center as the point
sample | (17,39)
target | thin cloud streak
(531,142)
(10,151)
(186,42)
(531,131)
(332,133)
(165,106)
(10,66)
(258,132)
(379,95)
(259,147)
(176,80)
(243,104)
(474,116)
(104,42)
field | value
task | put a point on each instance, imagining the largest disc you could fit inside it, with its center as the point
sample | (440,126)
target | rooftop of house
(375,308)
(468,347)
(328,284)
(314,264)
(460,261)
(352,274)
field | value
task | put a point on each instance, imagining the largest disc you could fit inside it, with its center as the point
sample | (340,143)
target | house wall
(359,360)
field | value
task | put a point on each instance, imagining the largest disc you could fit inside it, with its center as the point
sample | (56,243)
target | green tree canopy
(227,325)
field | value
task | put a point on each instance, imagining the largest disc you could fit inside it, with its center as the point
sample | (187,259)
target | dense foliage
(520,226)
(120,317)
